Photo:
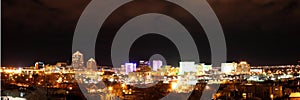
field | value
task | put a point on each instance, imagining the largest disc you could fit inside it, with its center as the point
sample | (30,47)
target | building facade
(243,67)
(91,64)
(77,60)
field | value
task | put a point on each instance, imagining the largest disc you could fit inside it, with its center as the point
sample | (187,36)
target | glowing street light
(271,96)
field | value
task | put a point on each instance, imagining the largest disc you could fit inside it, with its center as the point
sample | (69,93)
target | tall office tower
(91,64)
(130,67)
(228,67)
(39,65)
(77,60)
(243,67)
(187,66)
(156,64)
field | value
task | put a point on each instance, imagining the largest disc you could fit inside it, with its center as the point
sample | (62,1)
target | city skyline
(150,50)
(79,62)
(234,81)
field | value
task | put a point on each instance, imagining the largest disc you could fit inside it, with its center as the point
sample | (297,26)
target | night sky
(263,32)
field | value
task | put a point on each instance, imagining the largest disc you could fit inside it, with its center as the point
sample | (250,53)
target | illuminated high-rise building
(91,64)
(77,60)
(187,66)
(243,67)
(156,64)
(130,67)
(228,67)
(39,65)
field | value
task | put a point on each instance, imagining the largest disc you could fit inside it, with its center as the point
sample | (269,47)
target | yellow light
(244,95)
(59,80)
(70,88)
(174,85)
(271,96)
(243,62)
(110,88)
(123,85)
(218,94)
(295,94)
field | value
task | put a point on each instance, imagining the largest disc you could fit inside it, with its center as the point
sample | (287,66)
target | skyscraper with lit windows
(156,64)
(91,64)
(130,67)
(243,67)
(39,65)
(187,66)
(77,60)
